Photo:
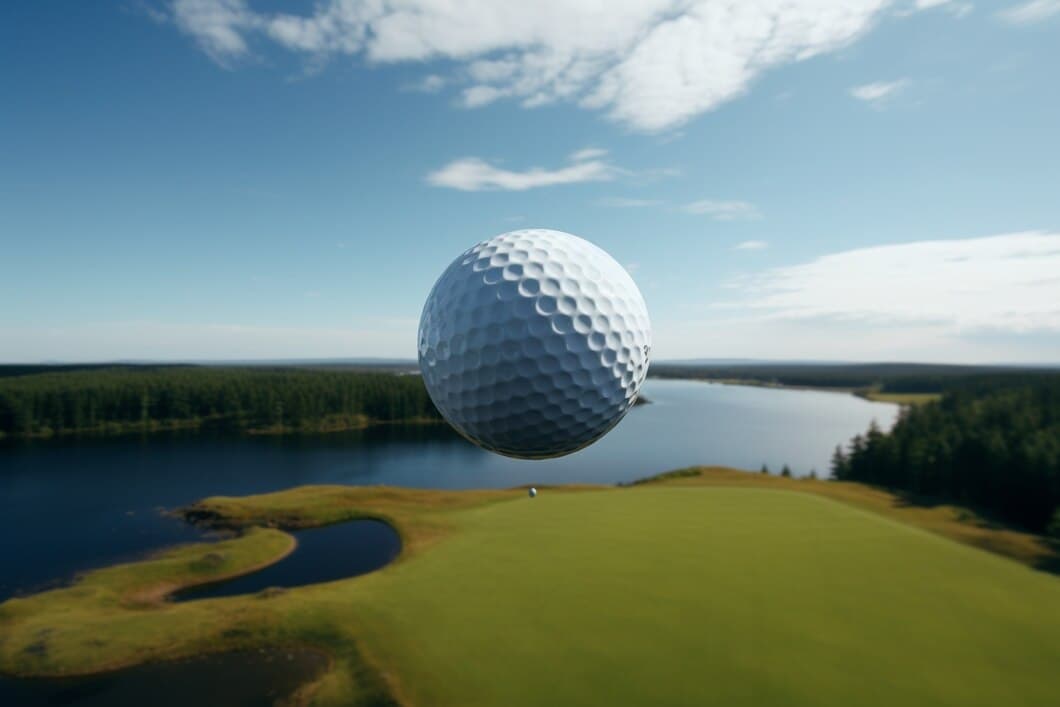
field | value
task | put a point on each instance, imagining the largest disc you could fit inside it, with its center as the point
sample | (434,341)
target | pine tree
(839,463)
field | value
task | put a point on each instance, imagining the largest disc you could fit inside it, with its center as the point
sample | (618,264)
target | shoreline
(869,394)
(163,592)
(125,604)
(109,431)
(351,423)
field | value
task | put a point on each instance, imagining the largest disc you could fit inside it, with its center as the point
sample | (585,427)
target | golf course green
(710,596)
(674,593)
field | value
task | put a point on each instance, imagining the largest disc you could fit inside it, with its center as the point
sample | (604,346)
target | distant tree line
(886,377)
(988,445)
(244,398)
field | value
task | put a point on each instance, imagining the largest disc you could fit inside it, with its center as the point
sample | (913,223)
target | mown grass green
(711,588)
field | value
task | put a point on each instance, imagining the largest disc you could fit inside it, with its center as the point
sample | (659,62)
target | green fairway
(709,587)
(709,596)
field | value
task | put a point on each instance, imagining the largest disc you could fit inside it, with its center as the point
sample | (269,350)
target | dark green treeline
(131,398)
(994,447)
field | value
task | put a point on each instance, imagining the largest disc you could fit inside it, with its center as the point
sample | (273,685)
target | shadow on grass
(982,519)
(965,514)
(1050,564)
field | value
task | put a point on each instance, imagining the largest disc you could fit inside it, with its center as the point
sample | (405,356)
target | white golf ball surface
(534,343)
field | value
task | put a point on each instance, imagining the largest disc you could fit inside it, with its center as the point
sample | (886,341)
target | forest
(884,377)
(988,446)
(257,399)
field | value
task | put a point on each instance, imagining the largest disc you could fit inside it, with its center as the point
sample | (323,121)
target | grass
(901,398)
(707,587)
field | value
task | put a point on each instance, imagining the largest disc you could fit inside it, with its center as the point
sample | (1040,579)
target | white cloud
(649,64)
(217,25)
(878,92)
(478,96)
(956,9)
(741,337)
(475,174)
(751,245)
(1007,283)
(1030,12)
(589,153)
(723,210)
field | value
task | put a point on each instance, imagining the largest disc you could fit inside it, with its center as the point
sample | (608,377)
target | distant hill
(887,377)
(379,365)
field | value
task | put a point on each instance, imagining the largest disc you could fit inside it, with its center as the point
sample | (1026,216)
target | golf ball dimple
(534,343)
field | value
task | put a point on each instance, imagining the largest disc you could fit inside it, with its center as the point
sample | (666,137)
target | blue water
(70,505)
(323,555)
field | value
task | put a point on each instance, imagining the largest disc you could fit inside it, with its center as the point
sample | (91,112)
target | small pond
(323,555)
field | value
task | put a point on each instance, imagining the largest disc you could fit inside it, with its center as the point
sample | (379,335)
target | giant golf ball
(534,343)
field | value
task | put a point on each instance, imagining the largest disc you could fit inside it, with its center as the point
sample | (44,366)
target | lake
(73,504)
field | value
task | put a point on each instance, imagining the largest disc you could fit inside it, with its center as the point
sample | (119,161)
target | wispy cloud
(476,174)
(218,26)
(878,92)
(751,245)
(1030,12)
(723,210)
(955,8)
(588,153)
(1009,282)
(648,64)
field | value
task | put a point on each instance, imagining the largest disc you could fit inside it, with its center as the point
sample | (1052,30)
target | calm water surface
(325,554)
(67,506)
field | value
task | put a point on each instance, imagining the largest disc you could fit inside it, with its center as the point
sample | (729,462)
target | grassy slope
(710,596)
(902,398)
(656,594)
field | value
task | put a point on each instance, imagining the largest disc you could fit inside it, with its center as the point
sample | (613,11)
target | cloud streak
(476,174)
(1030,12)
(1008,282)
(723,210)
(878,92)
(651,65)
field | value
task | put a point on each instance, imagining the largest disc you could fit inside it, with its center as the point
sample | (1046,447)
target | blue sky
(862,180)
